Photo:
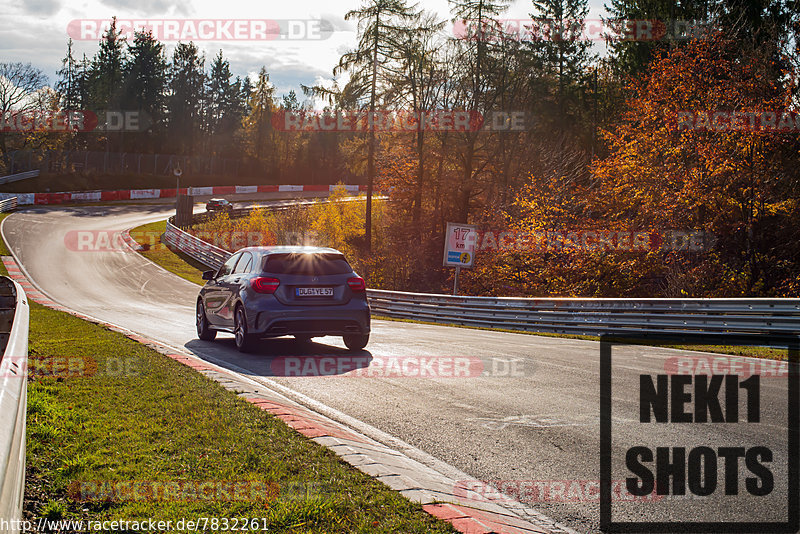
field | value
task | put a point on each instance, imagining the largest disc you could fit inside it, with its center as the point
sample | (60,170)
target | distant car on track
(218,204)
(263,292)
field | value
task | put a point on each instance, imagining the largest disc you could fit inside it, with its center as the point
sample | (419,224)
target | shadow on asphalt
(282,357)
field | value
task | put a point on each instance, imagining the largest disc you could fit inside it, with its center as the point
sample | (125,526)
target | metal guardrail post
(19,176)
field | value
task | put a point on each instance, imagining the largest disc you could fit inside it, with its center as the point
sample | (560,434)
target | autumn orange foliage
(740,185)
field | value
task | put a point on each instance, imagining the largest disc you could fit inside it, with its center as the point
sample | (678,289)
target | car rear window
(306,264)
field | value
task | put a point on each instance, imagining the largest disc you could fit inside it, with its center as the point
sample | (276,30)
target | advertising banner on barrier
(86,196)
(195,191)
(140,194)
(145,193)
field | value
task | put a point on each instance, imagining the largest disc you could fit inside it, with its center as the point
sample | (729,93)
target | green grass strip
(149,235)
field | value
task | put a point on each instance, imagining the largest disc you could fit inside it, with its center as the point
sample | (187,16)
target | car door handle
(236,280)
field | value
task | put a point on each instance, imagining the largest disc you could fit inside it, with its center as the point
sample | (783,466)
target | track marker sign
(459,248)
(459,245)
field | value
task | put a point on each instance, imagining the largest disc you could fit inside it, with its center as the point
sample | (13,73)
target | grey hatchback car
(265,292)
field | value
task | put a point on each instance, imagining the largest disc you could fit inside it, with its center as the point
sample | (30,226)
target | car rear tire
(204,331)
(356,341)
(244,341)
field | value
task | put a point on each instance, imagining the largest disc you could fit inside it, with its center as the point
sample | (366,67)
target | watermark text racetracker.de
(117,241)
(768,121)
(592,240)
(198,524)
(726,365)
(400,120)
(61,121)
(537,241)
(398,367)
(108,240)
(206,29)
(539,491)
(595,240)
(73,366)
(544,30)
(172,490)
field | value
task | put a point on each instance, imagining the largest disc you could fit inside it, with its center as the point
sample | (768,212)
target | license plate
(314,291)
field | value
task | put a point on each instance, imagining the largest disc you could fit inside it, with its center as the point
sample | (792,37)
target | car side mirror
(208,275)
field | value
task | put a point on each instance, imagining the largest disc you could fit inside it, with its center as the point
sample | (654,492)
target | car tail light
(357,284)
(262,284)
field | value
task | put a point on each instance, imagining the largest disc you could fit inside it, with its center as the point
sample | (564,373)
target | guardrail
(197,249)
(581,316)
(14,317)
(7,179)
(8,204)
(596,316)
(207,254)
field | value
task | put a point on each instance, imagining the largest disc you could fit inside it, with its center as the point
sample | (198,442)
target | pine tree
(380,24)
(186,94)
(633,55)
(106,72)
(146,81)
(563,48)
(69,81)
(289,102)
(475,71)
(258,123)
(224,108)
(417,84)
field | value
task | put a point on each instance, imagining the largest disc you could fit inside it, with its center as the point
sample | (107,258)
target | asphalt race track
(529,417)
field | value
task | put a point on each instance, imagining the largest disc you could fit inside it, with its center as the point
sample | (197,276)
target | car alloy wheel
(244,341)
(204,331)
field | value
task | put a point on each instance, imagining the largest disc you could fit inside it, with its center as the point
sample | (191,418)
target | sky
(37,31)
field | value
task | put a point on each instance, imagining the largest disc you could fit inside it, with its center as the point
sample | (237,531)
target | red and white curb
(31,292)
(414,479)
(131,242)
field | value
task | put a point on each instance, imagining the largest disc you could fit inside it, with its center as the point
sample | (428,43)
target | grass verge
(3,249)
(125,413)
(149,235)
(187,268)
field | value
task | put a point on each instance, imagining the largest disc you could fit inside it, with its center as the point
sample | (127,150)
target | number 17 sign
(459,245)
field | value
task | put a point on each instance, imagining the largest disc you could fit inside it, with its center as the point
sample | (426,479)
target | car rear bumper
(353,318)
